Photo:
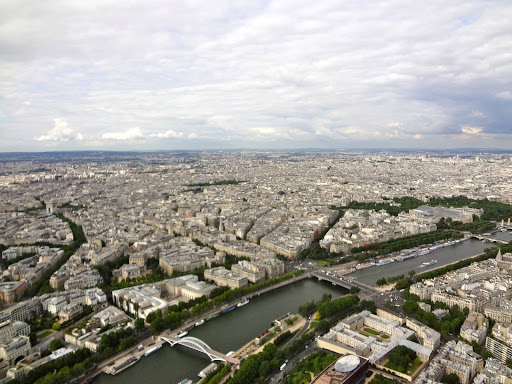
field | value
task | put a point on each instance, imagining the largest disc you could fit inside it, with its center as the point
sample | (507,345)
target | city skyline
(255,75)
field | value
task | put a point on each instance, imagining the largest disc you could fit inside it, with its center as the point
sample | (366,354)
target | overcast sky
(114,75)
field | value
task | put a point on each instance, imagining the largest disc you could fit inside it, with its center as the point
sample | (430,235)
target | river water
(445,255)
(231,331)
(507,236)
(226,333)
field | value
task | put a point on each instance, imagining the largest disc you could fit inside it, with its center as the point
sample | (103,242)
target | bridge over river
(200,346)
(365,291)
(488,238)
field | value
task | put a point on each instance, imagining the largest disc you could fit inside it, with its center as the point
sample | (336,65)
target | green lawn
(373,332)
(44,334)
(414,366)
(384,336)
(313,325)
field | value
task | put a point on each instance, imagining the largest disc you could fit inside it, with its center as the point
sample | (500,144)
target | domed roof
(347,363)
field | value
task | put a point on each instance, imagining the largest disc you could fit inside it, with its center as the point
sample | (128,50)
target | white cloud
(505,95)
(471,130)
(170,134)
(327,74)
(130,134)
(60,132)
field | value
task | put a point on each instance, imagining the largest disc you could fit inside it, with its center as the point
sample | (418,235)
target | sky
(149,75)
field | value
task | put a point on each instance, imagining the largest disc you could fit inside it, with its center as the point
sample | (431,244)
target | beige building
(57,281)
(474,328)
(501,313)
(253,272)
(69,311)
(13,346)
(427,336)
(128,271)
(223,277)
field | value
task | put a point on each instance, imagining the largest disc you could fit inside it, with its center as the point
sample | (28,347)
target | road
(301,331)
(279,375)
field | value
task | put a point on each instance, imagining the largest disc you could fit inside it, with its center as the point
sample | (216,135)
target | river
(226,333)
(231,331)
(445,255)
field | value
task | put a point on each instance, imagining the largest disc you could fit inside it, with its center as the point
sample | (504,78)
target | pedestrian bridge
(200,346)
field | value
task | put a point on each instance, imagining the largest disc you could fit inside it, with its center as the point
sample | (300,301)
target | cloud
(170,134)
(471,130)
(130,134)
(331,74)
(60,132)
(505,95)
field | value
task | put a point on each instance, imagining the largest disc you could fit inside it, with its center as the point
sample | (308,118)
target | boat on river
(427,263)
(152,350)
(127,364)
(181,334)
(241,304)
(228,310)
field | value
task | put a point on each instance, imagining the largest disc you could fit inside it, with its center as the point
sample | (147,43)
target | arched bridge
(490,239)
(200,346)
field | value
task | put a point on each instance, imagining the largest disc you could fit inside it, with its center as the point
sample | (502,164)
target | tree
(445,328)
(265,368)
(55,344)
(325,297)
(369,306)
(151,317)
(382,281)
(322,327)
(410,307)
(354,290)
(139,324)
(157,325)
(33,339)
(400,358)
(452,378)
(307,308)
(56,326)
(412,272)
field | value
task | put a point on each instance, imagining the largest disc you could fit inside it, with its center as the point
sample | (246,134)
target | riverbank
(228,332)
(385,288)
(455,262)
(251,348)
(190,324)
(444,256)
